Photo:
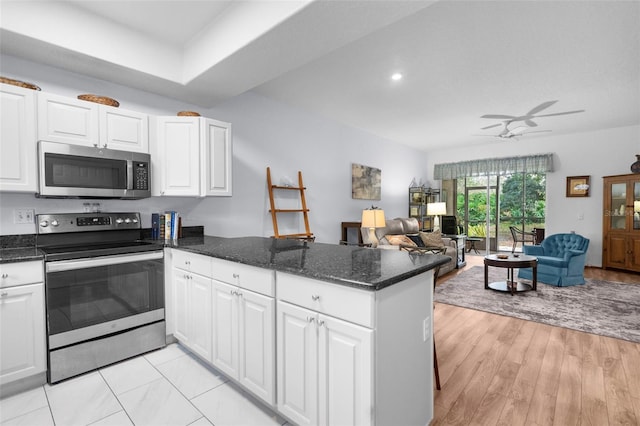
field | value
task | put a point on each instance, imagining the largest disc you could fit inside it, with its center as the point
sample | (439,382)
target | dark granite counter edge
(437,260)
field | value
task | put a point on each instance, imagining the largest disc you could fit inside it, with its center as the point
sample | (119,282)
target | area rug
(599,307)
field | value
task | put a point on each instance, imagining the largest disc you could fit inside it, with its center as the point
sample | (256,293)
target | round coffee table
(511,262)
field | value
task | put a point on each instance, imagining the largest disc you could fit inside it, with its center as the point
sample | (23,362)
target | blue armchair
(561,259)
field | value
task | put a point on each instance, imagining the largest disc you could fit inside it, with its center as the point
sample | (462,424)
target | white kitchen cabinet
(191,156)
(192,302)
(243,338)
(75,121)
(244,326)
(18,158)
(22,324)
(324,368)
(124,130)
(353,356)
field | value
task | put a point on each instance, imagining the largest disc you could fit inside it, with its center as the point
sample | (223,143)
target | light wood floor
(497,370)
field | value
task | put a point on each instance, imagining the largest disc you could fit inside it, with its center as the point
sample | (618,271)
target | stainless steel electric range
(104,290)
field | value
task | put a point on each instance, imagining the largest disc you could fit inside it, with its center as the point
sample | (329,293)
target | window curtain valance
(539,163)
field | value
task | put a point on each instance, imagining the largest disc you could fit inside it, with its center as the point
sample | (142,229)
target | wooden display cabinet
(621,222)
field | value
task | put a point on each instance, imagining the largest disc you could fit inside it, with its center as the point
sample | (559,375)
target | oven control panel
(85,222)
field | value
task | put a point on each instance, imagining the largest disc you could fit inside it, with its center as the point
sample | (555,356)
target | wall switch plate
(23,216)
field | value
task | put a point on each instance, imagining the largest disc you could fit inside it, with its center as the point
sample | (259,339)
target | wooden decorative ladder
(307,235)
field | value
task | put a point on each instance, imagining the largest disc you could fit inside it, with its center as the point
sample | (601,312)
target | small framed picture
(578,186)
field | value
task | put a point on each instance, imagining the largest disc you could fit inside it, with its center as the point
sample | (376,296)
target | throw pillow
(416,239)
(432,239)
(400,240)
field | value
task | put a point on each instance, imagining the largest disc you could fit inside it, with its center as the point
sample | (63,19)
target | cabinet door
(22,332)
(176,157)
(616,251)
(62,119)
(225,328)
(217,158)
(17,139)
(297,361)
(200,291)
(125,130)
(256,335)
(181,308)
(345,373)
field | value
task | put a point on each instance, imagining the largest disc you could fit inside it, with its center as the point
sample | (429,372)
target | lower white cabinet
(225,313)
(325,368)
(192,313)
(243,338)
(22,325)
(318,352)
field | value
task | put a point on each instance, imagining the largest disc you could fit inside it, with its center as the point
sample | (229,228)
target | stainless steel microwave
(76,171)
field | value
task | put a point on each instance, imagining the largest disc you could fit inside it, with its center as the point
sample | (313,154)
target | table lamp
(436,209)
(373,218)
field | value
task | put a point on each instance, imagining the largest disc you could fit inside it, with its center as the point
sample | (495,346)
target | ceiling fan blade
(492,126)
(561,113)
(541,107)
(530,123)
(498,116)
(537,131)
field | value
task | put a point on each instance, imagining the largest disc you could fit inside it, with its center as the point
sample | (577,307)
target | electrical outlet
(23,216)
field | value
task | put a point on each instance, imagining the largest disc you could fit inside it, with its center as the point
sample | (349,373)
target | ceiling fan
(507,133)
(527,118)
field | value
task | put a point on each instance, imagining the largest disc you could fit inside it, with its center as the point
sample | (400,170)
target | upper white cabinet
(69,120)
(17,139)
(191,156)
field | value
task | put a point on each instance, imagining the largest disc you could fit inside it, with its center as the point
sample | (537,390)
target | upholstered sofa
(561,259)
(405,234)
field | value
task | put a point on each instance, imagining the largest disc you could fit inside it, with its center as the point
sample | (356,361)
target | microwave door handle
(70,265)
(130,174)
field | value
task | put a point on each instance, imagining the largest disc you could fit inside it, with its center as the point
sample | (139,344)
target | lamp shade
(436,209)
(373,218)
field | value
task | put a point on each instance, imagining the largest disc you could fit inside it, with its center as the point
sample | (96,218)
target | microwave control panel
(141,176)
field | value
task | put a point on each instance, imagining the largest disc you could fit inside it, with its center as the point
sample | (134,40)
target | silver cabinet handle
(5,275)
(3,294)
(315,297)
(236,275)
(311,319)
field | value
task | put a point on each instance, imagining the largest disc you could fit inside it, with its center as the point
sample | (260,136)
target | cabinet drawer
(342,302)
(21,273)
(192,262)
(249,277)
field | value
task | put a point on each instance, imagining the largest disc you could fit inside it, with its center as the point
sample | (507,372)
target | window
(494,194)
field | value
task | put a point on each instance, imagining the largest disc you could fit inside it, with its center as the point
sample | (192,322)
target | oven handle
(70,265)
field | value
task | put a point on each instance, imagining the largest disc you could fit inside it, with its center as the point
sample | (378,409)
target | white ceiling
(460,59)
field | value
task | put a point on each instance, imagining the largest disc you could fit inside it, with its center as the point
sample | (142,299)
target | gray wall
(265,133)
(268,133)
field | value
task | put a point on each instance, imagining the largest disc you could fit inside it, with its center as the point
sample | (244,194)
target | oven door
(93,297)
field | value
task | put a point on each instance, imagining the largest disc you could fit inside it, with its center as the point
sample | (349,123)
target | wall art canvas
(366,182)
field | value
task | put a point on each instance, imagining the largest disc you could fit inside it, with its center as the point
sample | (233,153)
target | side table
(511,262)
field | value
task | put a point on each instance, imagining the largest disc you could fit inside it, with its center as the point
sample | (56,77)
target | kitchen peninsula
(324,334)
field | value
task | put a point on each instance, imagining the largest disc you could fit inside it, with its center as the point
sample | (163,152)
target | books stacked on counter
(166,226)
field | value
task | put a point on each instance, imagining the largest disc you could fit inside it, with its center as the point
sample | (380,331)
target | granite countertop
(367,268)
(20,254)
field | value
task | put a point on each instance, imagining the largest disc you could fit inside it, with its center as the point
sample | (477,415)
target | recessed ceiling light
(396,76)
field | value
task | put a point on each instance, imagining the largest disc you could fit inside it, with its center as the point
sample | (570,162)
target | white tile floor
(165,387)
